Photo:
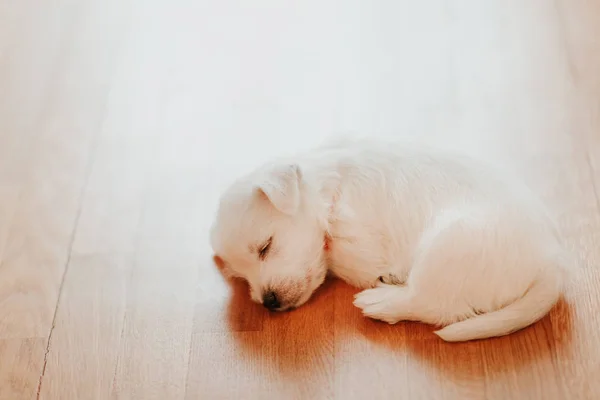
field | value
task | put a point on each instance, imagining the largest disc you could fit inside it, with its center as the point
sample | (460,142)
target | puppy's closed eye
(263,251)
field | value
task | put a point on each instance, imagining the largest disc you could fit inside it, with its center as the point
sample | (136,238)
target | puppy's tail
(537,302)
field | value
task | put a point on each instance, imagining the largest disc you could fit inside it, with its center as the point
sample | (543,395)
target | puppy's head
(269,230)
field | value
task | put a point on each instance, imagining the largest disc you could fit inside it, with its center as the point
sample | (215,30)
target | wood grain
(122,121)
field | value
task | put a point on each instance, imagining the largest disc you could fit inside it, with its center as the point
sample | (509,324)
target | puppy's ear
(281,186)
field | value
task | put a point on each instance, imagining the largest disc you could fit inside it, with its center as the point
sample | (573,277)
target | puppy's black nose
(270,301)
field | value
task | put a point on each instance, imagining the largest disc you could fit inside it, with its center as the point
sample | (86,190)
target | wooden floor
(122,120)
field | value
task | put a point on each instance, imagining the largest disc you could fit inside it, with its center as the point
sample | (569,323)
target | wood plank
(48,126)
(22,361)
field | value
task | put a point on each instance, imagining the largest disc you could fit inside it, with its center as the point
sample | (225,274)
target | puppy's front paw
(390,279)
(383,303)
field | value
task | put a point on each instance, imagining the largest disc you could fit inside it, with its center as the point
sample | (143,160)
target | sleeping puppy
(429,235)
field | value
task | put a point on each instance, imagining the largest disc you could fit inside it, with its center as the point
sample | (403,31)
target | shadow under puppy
(431,236)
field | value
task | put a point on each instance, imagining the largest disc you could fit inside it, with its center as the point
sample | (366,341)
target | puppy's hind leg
(389,303)
(447,276)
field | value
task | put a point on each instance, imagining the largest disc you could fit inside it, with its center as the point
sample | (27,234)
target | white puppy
(432,237)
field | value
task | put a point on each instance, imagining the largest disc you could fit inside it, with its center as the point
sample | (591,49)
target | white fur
(457,243)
